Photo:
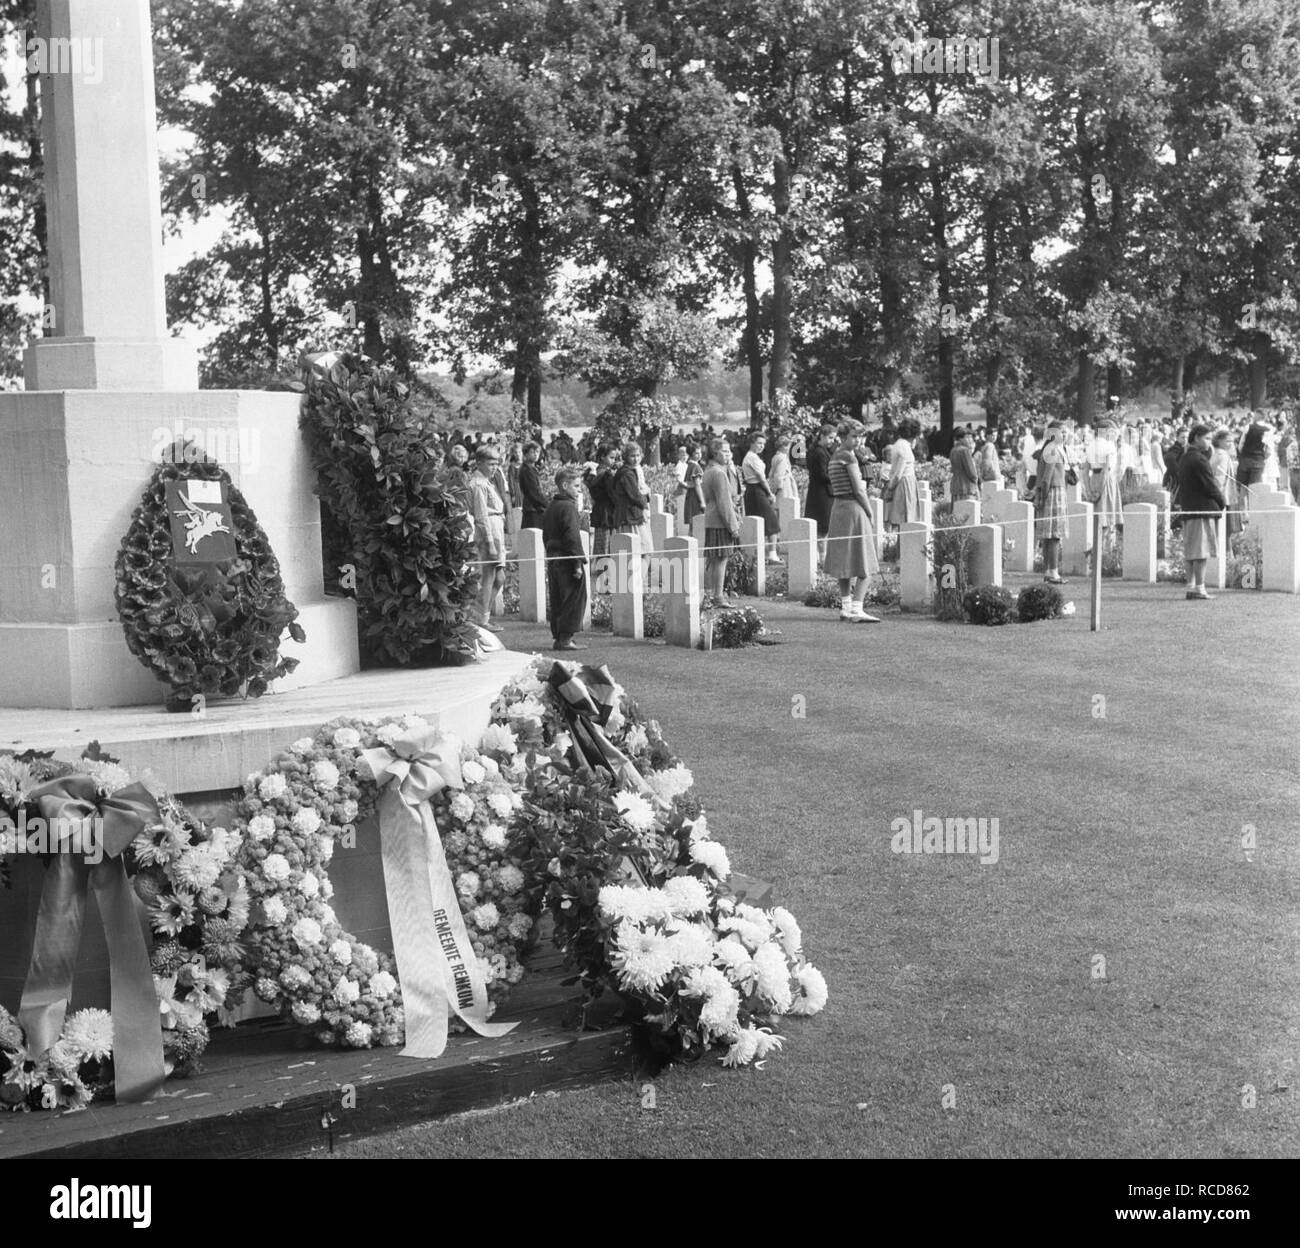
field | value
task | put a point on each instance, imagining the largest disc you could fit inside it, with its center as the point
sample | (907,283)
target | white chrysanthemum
(810,991)
(491,766)
(382,985)
(563,742)
(325,850)
(787,931)
(486,917)
(303,745)
(519,926)
(305,1013)
(643,960)
(295,978)
(501,805)
(197,869)
(686,895)
(468,884)
(341,952)
(8,842)
(499,738)
(711,855)
(735,962)
(307,821)
(751,934)
(272,786)
(472,772)
(772,976)
(415,723)
(90,1033)
(511,879)
(261,827)
(325,775)
(306,932)
(388,734)
(487,971)
(752,914)
(636,812)
(346,738)
(635,903)
(494,836)
(692,945)
(274,910)
(359,1035)
(327,915)
(637,739)
(109,777)
(670,783)
(699,829)
(346,991)
(276,868)
(462,807)
(527,708)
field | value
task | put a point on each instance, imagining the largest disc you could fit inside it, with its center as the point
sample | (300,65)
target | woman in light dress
(780,474)
(1103,477)
(1151,456)
(1027,465)
(902,499)
(1223,463)
(1051,523)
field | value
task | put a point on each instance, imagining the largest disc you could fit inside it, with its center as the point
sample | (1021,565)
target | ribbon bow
(587,697)
(436,962)
(73,807)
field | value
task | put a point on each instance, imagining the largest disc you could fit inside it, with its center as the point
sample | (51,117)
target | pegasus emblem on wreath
(199,523)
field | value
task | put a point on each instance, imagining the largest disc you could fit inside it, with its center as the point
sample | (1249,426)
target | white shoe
(774,558)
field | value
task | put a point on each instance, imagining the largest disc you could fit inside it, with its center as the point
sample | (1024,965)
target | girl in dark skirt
(758,494)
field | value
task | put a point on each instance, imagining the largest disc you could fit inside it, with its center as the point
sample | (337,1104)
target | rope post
(1095,626)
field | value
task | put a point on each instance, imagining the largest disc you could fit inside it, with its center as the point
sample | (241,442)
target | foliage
(734,627)
(410,540)
(202,629)
(989,604)
(1245,566)
(884,591)
(1039,602)
(950,558)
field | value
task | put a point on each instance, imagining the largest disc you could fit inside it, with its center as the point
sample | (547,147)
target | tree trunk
(943,274)
(782,257)
(1114,385)
(750,344)
(1257,370)
(1085,407)
(1176,389)
(993,301)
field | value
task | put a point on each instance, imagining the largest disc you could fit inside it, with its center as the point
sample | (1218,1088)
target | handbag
(891,487)
(1071,477)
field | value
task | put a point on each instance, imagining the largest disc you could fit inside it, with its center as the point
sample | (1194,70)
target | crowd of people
(726,477)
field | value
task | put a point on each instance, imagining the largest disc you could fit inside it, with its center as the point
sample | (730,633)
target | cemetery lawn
(1120,838)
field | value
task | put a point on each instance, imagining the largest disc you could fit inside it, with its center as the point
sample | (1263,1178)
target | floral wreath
(183,871)
(294,814)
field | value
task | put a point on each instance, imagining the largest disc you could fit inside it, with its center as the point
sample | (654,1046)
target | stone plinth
(801,556)
(682,601)
(753,542)
(916,573)
(1140,523)
(627,603)
(74,468)
(1075,547)
(984,557)
(531,553)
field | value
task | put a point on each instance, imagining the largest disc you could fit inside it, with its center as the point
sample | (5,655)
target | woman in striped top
(850,543)
(758,494)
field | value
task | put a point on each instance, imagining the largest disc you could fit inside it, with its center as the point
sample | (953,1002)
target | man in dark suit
(531,496)
(566,576)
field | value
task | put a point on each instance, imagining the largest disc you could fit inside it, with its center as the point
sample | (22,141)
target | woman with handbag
(902,499)
(1055,472)
(1102,489)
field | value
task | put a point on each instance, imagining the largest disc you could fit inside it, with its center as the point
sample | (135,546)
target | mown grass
(1120,837)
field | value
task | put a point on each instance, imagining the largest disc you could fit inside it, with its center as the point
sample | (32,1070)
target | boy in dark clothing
(531,497)
(565,564)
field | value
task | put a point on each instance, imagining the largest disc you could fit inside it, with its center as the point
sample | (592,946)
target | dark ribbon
(587,698)
(69,804)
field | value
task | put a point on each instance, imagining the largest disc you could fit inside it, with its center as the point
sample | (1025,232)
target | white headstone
(966,511)
(925,509)
(787,512)
(801,556)
(1077,543)
(628,607)
(1216,566)
(916,573)
(989,488)
(682,601)
(877,515)
(586,550)
(697,532)
(923,489)
(1017,520)
(1140,521)
(531,553)
(1279,534)
(984,557)
(662,527)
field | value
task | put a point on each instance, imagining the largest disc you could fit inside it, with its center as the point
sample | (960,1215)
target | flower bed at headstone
(1244,568)
(989,604)
(1039,602)
(883,591)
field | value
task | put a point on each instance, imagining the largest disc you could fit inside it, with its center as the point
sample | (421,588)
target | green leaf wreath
(210,633)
